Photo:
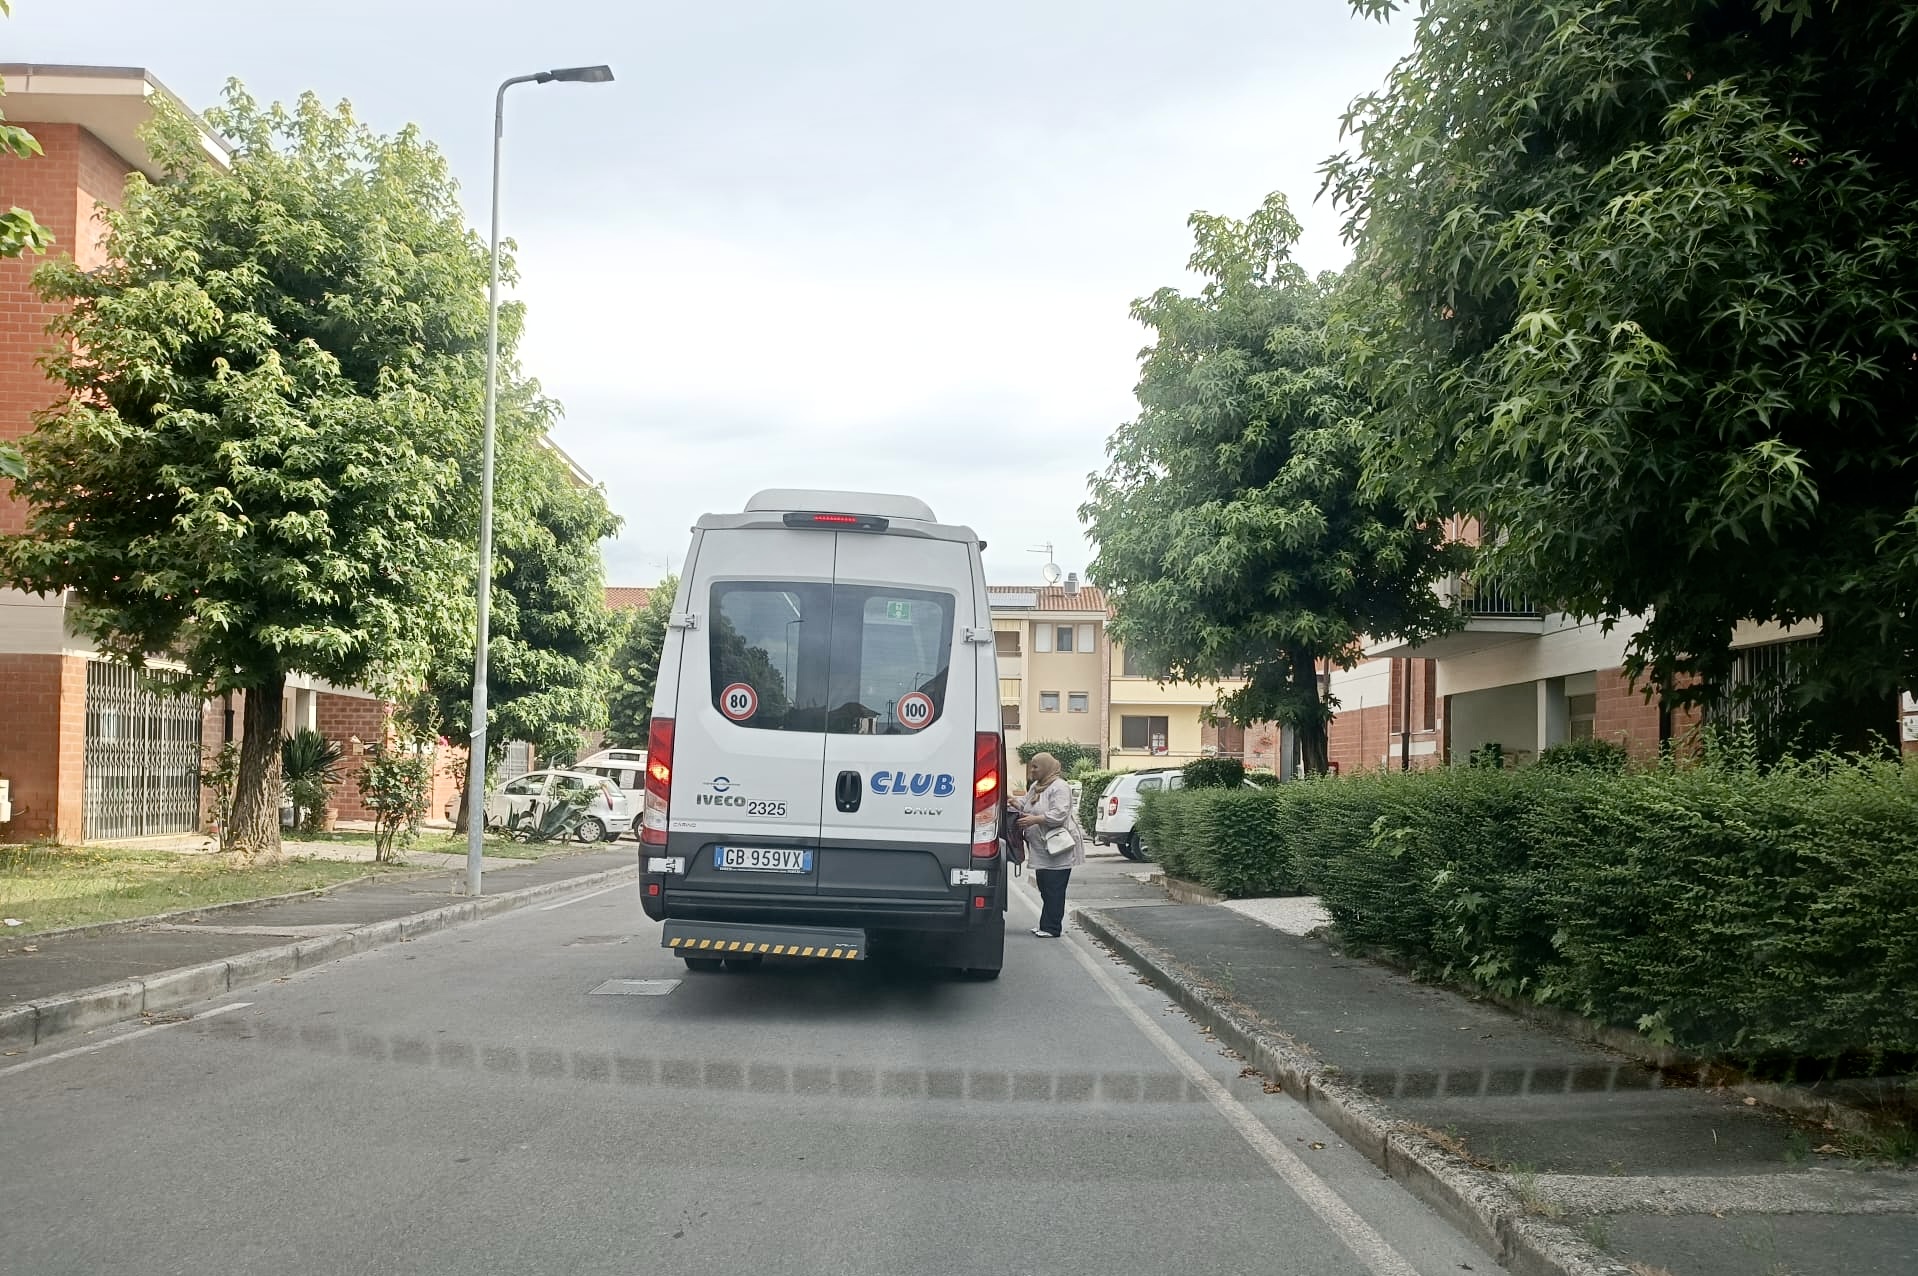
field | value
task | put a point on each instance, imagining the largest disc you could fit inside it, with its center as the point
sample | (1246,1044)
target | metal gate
(143,757)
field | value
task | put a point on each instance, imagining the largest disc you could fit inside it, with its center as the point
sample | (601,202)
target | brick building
(86,752)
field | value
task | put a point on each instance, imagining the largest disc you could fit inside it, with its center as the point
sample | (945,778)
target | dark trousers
(1052,894)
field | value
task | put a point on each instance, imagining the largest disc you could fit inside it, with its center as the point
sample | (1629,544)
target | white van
(826,769)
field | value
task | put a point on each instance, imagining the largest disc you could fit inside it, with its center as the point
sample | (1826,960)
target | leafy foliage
(1214,773)
(1070,753)
(1637,286)
(549,632)
(1761,915)
(274,385)
(1092,787)
(217,777)
(396,783)
(310,769)
(1602,755)
(1229,528)
(635,667)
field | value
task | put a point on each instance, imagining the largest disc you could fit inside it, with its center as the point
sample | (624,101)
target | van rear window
(847,659)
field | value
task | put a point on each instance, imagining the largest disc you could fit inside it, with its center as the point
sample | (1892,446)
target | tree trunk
(460,822)
(1314,726)
(256,793)
(1313,751)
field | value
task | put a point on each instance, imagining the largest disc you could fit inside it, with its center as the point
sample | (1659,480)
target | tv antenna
(1050,572)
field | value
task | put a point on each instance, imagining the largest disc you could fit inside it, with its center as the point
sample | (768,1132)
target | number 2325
(765,808)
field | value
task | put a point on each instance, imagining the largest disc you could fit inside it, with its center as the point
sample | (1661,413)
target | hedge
(1092,788)
(1760,915)
(1068,752)
(1214,773)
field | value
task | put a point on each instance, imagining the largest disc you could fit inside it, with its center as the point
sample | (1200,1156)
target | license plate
(762,859)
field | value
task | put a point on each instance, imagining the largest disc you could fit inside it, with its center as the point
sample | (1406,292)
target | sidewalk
(62,982)
(1558,1155)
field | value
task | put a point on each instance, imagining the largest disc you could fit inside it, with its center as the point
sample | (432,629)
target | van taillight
(988,784)
(659,783)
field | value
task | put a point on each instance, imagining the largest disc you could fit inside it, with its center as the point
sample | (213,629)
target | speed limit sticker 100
(914,710)
(739,702)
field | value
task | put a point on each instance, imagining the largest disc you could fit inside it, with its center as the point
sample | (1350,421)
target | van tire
(1132,848)
(737,964)
(704,965)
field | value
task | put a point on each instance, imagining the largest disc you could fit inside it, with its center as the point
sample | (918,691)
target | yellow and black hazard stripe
(746,946)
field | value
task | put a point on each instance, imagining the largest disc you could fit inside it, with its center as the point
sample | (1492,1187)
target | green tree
(272,389)
(550,631)
(1229,528)
(1638,287)
(635,667)
(19,233)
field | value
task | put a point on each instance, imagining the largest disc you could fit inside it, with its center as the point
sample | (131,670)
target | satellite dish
(1051,572)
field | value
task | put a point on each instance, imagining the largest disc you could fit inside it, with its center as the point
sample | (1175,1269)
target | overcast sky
(868,244)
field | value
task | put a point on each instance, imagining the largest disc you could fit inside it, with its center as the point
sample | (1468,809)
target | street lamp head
(579,74)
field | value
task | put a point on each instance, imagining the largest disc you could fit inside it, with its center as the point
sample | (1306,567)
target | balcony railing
(1483,599)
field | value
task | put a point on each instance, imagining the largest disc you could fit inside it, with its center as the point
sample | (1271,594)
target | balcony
(1493,616)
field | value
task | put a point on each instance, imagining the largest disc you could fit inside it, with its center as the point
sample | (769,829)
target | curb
(208,910)
(1477,1202)
(46,1017)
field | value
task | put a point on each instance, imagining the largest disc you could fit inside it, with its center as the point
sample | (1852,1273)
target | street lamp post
(476,739)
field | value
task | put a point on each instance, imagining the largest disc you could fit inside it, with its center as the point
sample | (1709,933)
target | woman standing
(1047,808)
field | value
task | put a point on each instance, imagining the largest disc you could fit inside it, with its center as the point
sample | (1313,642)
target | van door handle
(847,791)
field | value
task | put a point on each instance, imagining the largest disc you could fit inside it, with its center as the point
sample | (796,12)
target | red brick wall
(340,718)
(60,188)
(1358,737)
(1624,714)
(43,748)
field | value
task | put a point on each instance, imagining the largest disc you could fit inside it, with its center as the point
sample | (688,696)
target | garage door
(142,757)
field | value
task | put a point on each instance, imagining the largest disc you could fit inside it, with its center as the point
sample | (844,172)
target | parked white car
(1119,808)
(608,812)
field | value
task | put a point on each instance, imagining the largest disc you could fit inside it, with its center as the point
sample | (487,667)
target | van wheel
(592,829)
(737,964)
(1133,849)
(704,965)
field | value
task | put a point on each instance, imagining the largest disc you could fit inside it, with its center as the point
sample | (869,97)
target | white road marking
(122,1039)
(1359,1236)
(616,886)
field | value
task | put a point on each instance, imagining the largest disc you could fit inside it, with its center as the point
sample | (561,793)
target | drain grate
(635,987)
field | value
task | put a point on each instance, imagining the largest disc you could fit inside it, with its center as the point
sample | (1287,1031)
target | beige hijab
(1045,769)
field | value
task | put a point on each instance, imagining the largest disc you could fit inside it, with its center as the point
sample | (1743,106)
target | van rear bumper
(681,903)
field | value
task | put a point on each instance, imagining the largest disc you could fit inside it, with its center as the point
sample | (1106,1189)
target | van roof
(904,515)
(879,504)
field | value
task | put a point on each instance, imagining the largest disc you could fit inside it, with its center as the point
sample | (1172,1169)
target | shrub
(1070,753)
(1759,915)
(1214,773)
(1264,779)
(1161,824)
(1596,755)
(396,783)
(310,768)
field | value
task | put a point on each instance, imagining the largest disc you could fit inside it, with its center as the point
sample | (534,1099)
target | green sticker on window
(898,610)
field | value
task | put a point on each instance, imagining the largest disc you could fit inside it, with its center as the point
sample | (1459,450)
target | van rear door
(896,799)
(749,749)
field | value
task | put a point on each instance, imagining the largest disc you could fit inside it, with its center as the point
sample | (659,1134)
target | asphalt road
(468,1103)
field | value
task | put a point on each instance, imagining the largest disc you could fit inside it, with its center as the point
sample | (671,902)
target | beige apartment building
(1061,677)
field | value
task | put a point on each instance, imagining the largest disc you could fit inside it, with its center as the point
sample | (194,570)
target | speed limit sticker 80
(739,701)
(914,710)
